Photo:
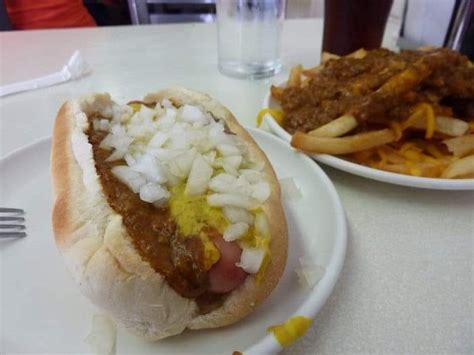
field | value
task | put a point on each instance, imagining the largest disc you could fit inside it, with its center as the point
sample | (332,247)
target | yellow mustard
(135,106)
(192,215)
(293,329)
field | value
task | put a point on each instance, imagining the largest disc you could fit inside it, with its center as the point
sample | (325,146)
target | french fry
(344,145)
(407,79)
(463,167)
(447,125)
(277,92)
(336,128)
(460,146)
(425,48)
(325,56)
(295,76)
(310,72)
(358,54)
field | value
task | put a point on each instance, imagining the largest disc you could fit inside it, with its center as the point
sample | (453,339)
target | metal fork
(12,223)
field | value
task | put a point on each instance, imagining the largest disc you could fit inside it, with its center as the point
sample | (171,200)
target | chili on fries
(409,113)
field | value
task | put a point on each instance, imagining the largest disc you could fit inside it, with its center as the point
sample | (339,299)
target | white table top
(408,281)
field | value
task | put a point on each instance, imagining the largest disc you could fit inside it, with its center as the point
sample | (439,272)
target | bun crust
(99,252)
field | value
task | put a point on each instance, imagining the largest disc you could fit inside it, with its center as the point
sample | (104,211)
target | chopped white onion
(222,182)
(152,192)
(166,122)
(177,139)
(261,224)
(165,146)
(308,272)
(106,142)
(104,125)
(102,337)
(119,130)
(181,165)
(261,191)
(210,157)
(220,200)
(129,177)
(96,125)
(235,231)
(130,160)
(106,111)
(164,155)
(116,155)
(159,109)
(150,167)
(243,186)
(216,132)
(289,189)
(137,130)
(166,103)
(230,164)
(237,214)
(121,113)
(146,113)
(192,114)
(119,140)
(252,176)
(171,112)
(253,165)
(171,179)
(199,176)
(226,149)
(251,259)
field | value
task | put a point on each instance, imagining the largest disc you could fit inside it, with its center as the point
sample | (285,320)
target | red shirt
(36,14)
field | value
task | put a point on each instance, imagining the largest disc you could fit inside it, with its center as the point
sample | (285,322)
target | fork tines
(12,224)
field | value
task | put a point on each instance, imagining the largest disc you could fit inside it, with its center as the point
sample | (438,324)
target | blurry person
(5,24)
(37,14)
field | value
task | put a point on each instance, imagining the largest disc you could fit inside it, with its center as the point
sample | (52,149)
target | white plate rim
(320,293)
(365,171)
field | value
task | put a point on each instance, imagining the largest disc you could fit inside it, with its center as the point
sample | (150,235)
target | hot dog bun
(97,248)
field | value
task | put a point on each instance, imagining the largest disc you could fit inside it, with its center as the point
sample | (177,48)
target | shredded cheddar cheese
(293,329)
(276,114)
(434,151)
(414,157)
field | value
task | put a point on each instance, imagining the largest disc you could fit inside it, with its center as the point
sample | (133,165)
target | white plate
(365,171)
(42,310)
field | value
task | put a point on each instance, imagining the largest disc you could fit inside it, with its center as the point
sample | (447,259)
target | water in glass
(249,37)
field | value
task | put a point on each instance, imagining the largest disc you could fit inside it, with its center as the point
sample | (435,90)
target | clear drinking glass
(248,37)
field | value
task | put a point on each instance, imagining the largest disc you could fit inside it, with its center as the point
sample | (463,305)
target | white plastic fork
(12,223)
(75,68)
